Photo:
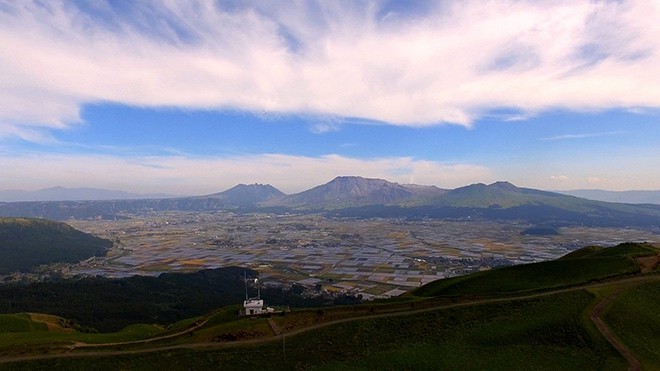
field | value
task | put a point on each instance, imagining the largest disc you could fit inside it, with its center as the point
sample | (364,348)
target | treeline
(26,243)
(107,305)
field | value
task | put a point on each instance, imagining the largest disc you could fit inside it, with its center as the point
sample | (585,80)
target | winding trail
(199,323)
(595,316)
(596,312)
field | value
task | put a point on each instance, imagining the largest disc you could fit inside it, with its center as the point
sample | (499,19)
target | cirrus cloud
(450,63)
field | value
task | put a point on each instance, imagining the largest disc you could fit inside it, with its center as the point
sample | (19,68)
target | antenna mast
(245,281)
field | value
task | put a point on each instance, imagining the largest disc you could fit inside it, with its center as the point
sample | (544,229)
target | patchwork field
(375,257)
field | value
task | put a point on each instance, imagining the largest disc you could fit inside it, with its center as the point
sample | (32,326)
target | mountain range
(73,194)
(352,196)
(352,191)
(630,197)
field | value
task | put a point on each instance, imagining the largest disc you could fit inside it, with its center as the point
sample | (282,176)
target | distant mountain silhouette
(629,197)
(353,196)
(505,201)
(499,194)
(352,191)
(248,195)
(73,194)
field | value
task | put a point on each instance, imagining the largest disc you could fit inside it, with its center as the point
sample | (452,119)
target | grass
(182,325)
(11,323)
(242,329)
(129,333)
(17,331)
(635,318)
(35,335)
(631,250)
(542,333)
(552,331)
(53,323)
(535,276)
(224,315)
(582,253)
(585,265)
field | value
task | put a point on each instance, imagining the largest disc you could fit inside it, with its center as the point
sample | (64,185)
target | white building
(253,306)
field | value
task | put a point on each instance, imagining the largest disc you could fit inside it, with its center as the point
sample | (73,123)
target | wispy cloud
(596,180)
(118,150)
(583,136)
(27,133)
(559,178)
(325,127)
(172,174)
(452,62)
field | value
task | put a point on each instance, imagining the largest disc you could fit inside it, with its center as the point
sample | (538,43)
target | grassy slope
(19,333)
(631,250)
(584,265)
(635,318)
(542,333)
(547,332)
(21,322)
(536,334)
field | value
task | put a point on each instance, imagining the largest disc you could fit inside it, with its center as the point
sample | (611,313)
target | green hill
(636,319)
(26,243)
(20,322)
(538,316)
(629,250)
(584,265)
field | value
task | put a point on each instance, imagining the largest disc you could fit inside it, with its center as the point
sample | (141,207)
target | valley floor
(373,257)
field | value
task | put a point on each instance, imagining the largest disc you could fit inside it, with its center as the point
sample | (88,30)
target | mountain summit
(354,191)
(498,194)
(248,194)
(355,196)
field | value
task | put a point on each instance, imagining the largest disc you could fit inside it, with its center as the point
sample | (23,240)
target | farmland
(375,257)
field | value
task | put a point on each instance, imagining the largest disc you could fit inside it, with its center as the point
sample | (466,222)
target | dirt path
(648,264)
(596,318)
(274,326)
(219,345)
(199,323)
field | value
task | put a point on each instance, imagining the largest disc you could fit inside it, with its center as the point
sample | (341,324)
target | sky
(194,97)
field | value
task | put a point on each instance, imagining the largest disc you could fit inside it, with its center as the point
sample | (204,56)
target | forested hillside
(26,243)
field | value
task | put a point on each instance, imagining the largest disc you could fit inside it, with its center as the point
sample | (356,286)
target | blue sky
(195,97)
